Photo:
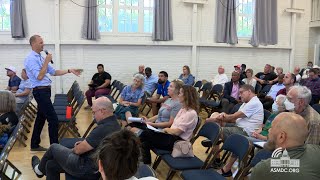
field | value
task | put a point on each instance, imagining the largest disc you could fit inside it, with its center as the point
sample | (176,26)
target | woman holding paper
(130,100)
(167,112)
(181,129)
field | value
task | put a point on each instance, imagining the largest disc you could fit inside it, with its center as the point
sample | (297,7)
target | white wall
(121,55)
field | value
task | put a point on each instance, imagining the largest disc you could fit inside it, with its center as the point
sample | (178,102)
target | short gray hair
(139,77)
(7,102)
(303,93)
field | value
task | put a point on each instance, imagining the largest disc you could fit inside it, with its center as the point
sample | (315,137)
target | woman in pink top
(181,129)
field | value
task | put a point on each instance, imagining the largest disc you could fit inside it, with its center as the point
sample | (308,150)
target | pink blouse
(186,121)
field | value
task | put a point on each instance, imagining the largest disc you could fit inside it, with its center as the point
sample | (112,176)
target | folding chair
(145,171)
(209,130)
(160,152)
(236,144)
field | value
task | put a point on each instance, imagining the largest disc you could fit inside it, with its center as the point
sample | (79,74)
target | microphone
(47,54)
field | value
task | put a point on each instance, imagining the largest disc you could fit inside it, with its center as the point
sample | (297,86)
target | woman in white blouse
(250,80)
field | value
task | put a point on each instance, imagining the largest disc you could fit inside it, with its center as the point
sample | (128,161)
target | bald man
(289,131)
(77,161)
(221,77)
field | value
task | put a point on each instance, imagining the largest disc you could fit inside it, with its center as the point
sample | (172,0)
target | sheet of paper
(136,119)
(259,144)
(154,129)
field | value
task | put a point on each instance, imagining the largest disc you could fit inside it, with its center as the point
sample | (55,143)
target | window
(245,14)
(5,15)
(125,16)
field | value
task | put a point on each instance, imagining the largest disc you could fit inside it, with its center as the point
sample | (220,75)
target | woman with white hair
(131,98)
(278,106)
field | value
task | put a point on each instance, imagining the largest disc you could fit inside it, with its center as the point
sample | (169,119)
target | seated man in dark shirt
(77,161)
(14,81)
(266,76)
(100,85)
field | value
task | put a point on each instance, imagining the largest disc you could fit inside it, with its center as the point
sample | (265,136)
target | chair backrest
(258,88)
(198,84)
(193,138)
(266,89)
(238,145)
(235,108)
(145,171)
(266,115)
(316,107)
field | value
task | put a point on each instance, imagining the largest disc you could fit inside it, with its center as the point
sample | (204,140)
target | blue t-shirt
(163,90)
(15,81)
(132,96)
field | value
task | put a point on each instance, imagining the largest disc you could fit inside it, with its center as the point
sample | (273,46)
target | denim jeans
(59,159)
(45,112)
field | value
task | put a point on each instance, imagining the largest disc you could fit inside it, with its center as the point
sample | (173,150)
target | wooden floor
(20,156)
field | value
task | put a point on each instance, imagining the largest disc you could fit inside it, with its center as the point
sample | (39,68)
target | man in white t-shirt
(248,118)
(221,77)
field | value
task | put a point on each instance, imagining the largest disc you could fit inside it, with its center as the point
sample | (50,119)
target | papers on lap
(259,144)
(154,129)
(136,119)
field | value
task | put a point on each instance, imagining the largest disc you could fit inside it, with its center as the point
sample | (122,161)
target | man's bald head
(287,130)
(104,103)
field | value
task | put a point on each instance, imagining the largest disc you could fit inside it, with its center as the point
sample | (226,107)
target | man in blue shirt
(150,81)
(37,69)
(163,84)
(14,81)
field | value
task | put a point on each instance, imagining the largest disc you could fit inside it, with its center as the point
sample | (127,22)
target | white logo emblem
(284,163)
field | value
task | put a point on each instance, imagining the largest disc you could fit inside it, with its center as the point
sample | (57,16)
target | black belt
(41,87)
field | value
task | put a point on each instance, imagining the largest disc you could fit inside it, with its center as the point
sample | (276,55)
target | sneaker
(226,174)
(87,107)
(40,148)
(34,162)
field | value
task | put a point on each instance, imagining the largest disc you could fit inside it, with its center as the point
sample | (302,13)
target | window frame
(244,15)
(115,21)
(2,31)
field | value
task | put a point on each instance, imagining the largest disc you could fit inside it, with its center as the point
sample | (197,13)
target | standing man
(37,69)
(14,81)
(100,84)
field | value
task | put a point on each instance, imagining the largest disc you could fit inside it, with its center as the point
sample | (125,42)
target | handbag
(182,149)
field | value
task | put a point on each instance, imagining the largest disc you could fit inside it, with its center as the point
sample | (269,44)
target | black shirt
(99,79)
(266,77)
(9,118)
(104,128)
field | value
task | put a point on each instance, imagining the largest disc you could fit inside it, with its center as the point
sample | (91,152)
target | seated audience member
(231,93)
(181,129)
(186,76)
(118,156)
(221,77)
(162,90)
(264,77)
(100,84)
(289,80)
(309,65)
(8,117)
(24,90)
(77,161)
(249,79)
(296,72)
(268,99)
(130,99)
(289,132)
(140,70)
(243,70)
(279,71)
(150,82)
(8,109)
(14,80)
(262,133)
(167,112)
(239,70)
(248,118)
(313,83)
(299,98)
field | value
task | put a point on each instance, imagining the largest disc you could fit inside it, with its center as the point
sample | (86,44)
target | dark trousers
(96,93)
(151,139)
(45,112)
(59,159)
